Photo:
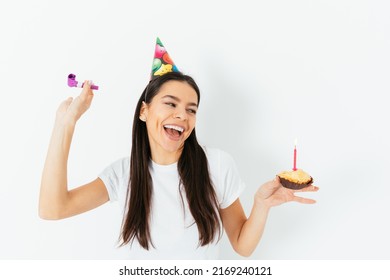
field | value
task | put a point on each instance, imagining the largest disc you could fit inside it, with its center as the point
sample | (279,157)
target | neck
(163,157)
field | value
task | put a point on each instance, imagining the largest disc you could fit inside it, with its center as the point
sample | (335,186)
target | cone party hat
(162,62)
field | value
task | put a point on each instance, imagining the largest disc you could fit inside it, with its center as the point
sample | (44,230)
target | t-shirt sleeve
(116,178)
(231,185)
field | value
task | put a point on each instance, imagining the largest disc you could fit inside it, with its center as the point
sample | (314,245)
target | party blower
(73,83)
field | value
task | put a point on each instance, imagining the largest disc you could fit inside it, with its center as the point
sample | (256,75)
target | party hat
(162,62)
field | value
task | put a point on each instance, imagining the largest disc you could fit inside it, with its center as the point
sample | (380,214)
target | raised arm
(245,233)
(56,201)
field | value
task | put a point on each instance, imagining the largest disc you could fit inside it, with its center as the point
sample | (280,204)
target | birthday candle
(295,155)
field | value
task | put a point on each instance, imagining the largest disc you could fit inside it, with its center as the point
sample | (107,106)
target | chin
(173,149)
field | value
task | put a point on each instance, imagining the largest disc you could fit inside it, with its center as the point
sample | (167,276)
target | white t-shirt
(173,231)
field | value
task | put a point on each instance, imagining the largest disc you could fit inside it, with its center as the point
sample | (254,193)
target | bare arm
(55,201)
(245,233)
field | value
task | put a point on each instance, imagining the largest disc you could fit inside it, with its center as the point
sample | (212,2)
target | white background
(269,72)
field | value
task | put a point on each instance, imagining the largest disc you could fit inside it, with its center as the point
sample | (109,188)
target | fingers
(86,95)
(68,101)
(87,91)
(310,188)
(65,104)
(274,184)
(304,200)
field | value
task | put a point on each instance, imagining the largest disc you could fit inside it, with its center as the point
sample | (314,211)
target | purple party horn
(73,83)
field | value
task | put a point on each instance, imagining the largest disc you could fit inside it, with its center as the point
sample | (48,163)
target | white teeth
(178,128)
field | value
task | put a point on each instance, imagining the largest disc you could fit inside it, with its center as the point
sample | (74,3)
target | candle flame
(295,142)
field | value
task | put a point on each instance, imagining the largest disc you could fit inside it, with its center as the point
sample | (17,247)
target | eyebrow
(177,99)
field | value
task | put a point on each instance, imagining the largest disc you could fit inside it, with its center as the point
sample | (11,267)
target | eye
(191,111)
(173,105)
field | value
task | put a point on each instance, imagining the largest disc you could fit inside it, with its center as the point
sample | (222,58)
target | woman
(180,197)
(177,197)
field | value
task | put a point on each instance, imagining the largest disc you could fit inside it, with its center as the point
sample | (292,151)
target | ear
(143,112)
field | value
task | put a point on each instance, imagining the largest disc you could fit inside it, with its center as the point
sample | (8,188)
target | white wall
(269,71)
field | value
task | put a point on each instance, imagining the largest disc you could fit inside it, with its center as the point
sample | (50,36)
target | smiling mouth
(174,131)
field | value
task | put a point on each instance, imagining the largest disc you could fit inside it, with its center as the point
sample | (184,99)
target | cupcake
(295,180)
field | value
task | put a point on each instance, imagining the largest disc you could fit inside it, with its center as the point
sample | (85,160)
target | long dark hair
(193,171)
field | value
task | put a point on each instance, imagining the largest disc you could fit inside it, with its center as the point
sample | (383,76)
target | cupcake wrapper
(294,186)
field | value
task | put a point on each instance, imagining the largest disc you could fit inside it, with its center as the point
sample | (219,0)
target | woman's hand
(56,201)
(273,193)
(244,234)
(70,110)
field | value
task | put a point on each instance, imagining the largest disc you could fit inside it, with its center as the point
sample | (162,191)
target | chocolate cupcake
(295,180)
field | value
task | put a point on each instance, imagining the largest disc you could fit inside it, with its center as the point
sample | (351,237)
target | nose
(180,113)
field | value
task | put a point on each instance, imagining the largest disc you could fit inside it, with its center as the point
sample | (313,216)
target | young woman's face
(170,118)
